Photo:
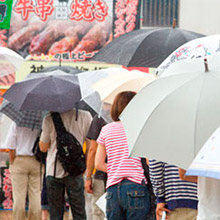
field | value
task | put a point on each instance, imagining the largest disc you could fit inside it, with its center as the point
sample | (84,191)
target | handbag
(39,155)
(152,212)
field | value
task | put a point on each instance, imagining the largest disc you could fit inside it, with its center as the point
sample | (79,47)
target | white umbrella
(207,162)
(10,61)
(107,83)
(171,118)
(188,52)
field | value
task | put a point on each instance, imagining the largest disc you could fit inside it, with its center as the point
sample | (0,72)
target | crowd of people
(109,169)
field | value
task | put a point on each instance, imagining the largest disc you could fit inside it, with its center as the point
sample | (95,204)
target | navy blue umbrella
(52,91)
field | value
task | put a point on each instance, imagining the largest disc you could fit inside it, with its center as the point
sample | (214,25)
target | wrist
(88,178)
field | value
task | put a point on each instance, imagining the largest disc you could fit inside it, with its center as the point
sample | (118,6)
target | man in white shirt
(25,172)
(209,198)
(208,195)
(61,182)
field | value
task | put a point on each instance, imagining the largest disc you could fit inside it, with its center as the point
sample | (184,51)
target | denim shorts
(127,200)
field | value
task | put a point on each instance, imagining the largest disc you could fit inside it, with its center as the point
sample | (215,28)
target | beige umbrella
(107,83)
(124,80)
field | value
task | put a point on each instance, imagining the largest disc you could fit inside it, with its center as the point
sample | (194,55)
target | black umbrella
(144,48)
(52,91)
(66,69)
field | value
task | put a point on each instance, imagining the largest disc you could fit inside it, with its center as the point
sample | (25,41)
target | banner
(5,13)
(68,29)
(126,16)
(38,65)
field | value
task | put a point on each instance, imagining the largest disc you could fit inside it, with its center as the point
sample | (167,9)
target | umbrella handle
(174,23)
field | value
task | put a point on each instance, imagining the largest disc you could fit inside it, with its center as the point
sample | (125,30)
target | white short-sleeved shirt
(21,139)
(79,128)
(209,198)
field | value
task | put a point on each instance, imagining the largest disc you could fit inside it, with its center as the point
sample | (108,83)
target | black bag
(152,212)
(69,150)
(39,155)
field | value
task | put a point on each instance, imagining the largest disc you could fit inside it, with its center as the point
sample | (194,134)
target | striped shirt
(120,166)
(169,188)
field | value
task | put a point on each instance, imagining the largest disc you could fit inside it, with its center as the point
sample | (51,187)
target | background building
(201,16)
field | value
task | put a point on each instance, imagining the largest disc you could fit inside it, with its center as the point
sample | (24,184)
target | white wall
(202,16)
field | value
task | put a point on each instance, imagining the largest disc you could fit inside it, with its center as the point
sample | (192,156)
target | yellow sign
(36,66)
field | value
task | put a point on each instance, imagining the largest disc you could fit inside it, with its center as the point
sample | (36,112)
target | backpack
(39,155)
(69,150)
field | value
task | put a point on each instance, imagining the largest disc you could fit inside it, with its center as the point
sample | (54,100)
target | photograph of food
(62,31)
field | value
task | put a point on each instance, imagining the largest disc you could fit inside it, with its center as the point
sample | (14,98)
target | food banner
(126,16)
(71,30)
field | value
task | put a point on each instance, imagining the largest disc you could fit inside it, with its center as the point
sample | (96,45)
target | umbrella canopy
(194,49)
(171,118)
(68,69)
(10,60)
(207,162)
(144,48)
(30,119)
(105,84)
(51,91)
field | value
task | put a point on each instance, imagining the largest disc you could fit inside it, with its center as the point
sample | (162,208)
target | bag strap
(60,128)
(58,123)
(151,214)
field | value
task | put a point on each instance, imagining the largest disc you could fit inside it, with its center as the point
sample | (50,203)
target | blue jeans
(74,187)
(127,201)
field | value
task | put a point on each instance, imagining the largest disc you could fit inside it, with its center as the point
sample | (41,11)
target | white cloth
(21,139)
(78,128)
(209,198)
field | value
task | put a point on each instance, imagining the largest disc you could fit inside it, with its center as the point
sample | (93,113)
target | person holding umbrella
(95,185)
(208,195)
(77,122)
(127,194)
(176,197)
(25,172)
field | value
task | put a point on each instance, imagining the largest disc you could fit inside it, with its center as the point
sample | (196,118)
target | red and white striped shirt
(120,165)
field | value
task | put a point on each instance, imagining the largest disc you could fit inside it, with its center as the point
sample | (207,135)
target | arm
(157,180)
(44,146)
(88,143)
(11,156)
(187,178)
(44,142)
(90,165)
(100,163)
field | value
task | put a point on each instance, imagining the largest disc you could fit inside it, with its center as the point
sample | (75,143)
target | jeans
(74,187)
(127,201)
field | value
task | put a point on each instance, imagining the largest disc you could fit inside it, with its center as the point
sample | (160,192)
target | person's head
(120,102)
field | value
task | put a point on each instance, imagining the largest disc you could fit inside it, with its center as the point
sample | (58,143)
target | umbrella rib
(196,118)
(148,35)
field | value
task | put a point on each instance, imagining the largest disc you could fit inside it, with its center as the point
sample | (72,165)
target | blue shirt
(169,188)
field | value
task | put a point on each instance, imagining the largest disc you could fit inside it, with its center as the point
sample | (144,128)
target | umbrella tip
(174,23)
(206,65)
